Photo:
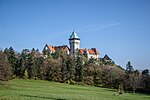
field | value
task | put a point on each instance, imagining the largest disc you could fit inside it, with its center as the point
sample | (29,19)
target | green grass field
(43,90)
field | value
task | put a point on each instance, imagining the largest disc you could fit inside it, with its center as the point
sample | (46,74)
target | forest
(72,69)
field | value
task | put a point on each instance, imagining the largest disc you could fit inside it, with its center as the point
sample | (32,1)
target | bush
(25,76)
(71,82)
(88,80)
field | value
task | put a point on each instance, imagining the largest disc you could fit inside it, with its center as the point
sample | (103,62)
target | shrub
(88,80)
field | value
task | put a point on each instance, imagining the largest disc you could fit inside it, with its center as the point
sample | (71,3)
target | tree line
(77,69)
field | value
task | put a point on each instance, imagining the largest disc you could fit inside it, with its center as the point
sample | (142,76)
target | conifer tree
(70,68)
(79,69)
(12,58)
(129,68)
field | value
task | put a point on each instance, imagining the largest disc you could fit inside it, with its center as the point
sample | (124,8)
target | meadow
(19,89)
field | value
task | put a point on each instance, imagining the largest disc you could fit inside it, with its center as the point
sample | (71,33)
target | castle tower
(74,42)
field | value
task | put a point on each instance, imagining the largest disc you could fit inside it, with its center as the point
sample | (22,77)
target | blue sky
(119,28)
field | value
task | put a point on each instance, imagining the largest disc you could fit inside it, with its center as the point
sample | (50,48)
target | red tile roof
(82,51)
(54,48)
(92,51)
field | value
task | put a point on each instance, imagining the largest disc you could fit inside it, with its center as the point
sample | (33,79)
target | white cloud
(88,28)
(93,27)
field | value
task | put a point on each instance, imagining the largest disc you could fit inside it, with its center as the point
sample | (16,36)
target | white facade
(74,42)
(74,45)
(93,56)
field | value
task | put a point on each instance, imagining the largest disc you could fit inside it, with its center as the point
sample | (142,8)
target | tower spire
(74,35)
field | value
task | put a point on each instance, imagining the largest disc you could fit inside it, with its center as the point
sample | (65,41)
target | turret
(74,42)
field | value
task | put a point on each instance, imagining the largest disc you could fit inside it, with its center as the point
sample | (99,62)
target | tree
(45,69)
(79,69)
(132,78)
(64,67)
(91,74)
(5,69)
(18,67)
(25,74)
(33,52)
(23,63)
(39,65)
(6,51)
(145,80)
(129,68)
(31,66)
(55,55)
(70,64)
(91,60)
(96,75)
(112,76)
(12,58)
(55,71)
(145,72)
(136,80)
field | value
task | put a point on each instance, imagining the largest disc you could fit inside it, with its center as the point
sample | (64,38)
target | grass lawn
(18,89)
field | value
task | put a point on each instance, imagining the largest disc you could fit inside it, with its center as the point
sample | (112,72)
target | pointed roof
(74,36)
(106,57)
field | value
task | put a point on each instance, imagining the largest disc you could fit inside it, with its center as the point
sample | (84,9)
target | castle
(74,42)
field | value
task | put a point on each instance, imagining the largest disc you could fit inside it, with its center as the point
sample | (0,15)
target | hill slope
(43,90)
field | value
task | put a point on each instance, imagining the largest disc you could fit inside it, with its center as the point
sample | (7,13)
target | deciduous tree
(5,69)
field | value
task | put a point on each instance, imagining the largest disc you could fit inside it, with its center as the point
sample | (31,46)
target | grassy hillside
(44,90)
